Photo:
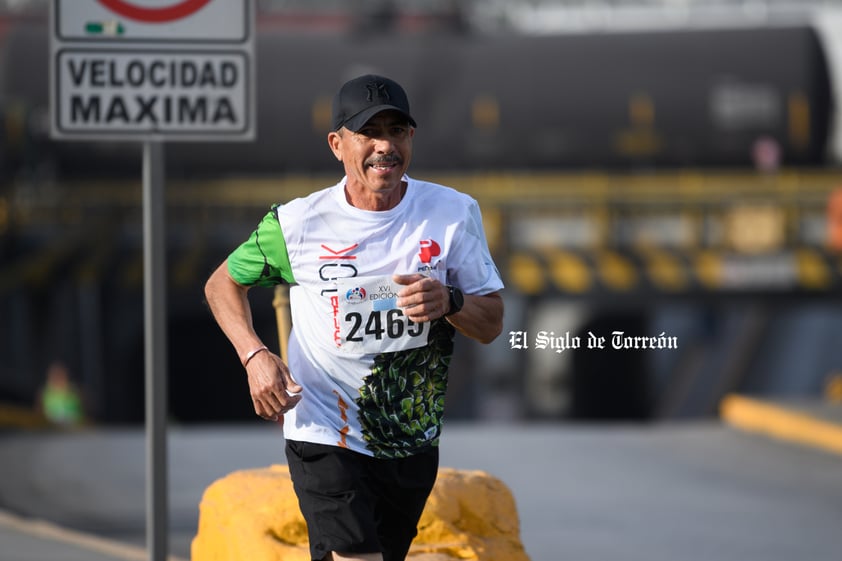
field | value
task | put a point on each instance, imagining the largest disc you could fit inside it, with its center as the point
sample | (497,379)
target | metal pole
(155,341)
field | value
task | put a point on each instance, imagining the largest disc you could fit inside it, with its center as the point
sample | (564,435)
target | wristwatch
(457,300)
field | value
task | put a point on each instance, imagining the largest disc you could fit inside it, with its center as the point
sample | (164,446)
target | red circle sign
(178,10)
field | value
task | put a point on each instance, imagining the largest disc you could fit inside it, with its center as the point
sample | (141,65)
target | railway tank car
(618,100)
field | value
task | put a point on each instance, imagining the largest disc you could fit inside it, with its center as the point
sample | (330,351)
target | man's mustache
(388,159)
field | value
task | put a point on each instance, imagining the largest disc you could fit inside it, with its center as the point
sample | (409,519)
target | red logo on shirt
(429,249)
(338,253)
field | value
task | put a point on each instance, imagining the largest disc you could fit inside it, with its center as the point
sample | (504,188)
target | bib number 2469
(390,324)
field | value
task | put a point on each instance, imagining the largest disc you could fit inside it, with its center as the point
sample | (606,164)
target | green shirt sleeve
(262,260)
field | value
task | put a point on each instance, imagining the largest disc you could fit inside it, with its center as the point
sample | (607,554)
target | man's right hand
(270,386)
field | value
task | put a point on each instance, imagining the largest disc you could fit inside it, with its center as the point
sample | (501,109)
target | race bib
(369,320)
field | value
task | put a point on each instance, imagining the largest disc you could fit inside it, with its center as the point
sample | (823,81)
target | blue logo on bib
(355,295)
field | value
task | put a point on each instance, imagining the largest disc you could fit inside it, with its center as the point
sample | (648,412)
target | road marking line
(47,530)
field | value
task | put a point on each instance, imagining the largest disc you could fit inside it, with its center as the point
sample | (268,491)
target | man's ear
(334,140)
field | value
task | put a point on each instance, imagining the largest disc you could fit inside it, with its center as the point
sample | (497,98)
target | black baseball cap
(360,99)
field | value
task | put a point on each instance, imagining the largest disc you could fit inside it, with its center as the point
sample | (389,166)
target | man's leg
(402,489)
(335,501)
(357,557)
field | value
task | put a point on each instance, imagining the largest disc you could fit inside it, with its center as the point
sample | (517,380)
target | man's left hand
(422,298)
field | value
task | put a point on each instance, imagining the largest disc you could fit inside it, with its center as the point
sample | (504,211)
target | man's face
(376,156)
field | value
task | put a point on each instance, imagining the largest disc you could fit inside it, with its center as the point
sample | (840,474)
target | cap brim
(357,122)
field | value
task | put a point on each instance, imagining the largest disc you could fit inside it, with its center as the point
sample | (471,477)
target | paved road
(663,492)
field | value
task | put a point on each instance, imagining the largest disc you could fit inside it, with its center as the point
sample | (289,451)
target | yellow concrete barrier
(252,515)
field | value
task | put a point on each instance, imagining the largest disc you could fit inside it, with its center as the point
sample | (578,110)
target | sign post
(153,71)
(155,350)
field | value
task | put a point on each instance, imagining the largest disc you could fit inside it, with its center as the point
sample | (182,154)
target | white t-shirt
(373,381)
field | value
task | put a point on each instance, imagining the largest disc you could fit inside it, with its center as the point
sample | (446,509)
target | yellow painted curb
(779,422)
(42,529)
(21,417)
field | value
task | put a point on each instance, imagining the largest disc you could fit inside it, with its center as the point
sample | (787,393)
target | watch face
(457,300)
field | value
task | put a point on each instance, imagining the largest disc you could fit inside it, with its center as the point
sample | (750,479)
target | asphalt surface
(696,491)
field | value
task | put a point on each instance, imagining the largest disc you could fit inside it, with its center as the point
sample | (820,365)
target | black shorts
(354,503)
